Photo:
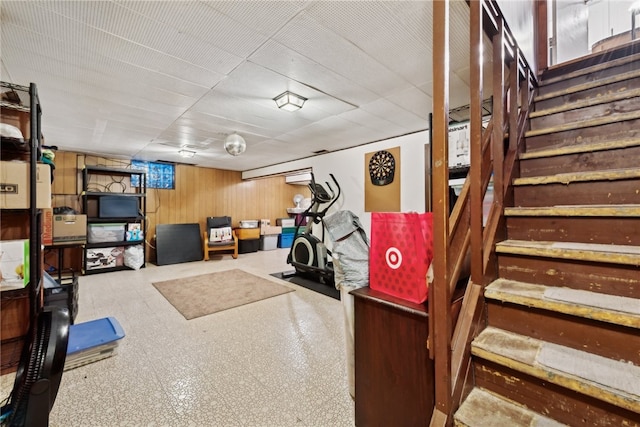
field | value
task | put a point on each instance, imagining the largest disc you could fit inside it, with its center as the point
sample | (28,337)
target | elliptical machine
(308,254)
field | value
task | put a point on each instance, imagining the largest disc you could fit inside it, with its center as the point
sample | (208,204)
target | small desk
(394,375)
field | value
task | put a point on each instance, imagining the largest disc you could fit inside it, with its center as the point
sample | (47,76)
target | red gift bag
(400,255)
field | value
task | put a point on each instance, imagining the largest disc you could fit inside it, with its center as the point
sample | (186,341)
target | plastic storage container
(268,242)
(290,230)
(249,245)
(92,341)
(285,240)
(106,233)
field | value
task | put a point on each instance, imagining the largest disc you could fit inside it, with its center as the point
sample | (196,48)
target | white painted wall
(348,167)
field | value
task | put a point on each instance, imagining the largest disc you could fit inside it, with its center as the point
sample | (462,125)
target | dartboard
(382,167)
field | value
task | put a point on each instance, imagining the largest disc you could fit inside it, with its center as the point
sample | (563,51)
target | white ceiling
(140,79)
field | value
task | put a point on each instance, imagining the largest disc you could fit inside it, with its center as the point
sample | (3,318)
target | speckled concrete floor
(276,362)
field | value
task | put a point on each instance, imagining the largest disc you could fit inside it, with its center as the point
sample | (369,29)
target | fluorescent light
(187,153)
(289,101)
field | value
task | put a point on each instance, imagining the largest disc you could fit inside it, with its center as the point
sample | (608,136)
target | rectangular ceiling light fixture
(289,101)
(187,153)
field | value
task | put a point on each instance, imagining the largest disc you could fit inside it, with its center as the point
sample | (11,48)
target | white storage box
(105,233)
(286,222)
(249,223)
(268,242)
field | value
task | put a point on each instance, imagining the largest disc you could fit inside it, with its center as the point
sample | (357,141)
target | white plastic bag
(134,257)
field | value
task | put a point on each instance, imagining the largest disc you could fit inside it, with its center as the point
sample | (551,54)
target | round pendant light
(235,144)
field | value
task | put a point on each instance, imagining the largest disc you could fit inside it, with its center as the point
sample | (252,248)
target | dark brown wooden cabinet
(394,375)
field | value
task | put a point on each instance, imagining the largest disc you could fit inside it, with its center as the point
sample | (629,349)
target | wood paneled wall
(199,193)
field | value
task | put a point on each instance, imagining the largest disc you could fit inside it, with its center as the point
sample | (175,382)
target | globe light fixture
(235,144)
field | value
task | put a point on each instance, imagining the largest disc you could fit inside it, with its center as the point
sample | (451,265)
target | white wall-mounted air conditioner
(299,178)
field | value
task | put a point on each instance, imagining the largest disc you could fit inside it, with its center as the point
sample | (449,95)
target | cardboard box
(69,228)
(14,185)
(47,227)
(269,230)
(14,264)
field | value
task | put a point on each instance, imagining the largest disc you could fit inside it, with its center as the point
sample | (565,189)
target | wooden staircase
(562,345)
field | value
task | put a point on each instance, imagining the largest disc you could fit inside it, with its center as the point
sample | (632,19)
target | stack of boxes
(285,239)
(268,235)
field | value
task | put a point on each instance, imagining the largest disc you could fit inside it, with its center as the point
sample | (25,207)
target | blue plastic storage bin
(285,240)
(92,341)
(86,335)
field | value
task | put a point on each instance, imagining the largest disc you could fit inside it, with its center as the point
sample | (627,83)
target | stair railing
(468,236)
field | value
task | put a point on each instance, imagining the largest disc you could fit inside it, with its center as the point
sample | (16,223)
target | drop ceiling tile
(37,54)
(379,125)
(373,28)
(288,63)
(415,17)
(260,85)
(459,35)
(266,17)
(414,100)
(247,112)
(80,38)
(309,38)
(400,116)
(201,22)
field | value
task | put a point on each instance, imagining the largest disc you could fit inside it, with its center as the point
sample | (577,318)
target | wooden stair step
(482,408)
(589,102)
(586,71)
(576,211)
(589,85)
(612,381)
(614,254)
(599,121)
(568,178)
(591,305)
(580,148)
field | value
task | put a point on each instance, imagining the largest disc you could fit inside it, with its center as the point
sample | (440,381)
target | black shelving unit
(27,101)
(105,256)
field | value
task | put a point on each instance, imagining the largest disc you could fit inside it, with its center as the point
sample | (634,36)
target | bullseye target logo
(393,257)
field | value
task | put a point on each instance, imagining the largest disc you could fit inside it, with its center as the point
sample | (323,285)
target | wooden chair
(224,236)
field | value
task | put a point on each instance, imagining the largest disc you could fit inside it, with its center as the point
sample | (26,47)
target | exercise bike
(308,254)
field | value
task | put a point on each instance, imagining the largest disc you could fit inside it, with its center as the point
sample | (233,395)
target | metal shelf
(88,196)
(112,244)
(105,193)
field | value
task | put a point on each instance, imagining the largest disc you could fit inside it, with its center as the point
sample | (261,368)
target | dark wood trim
(498,116)
(542,36)
(477,146)
(440,299)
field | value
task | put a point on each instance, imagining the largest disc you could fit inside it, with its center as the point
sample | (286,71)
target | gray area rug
(205,294)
